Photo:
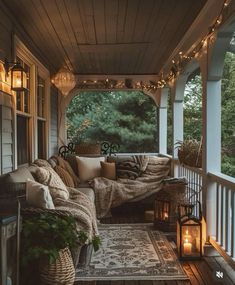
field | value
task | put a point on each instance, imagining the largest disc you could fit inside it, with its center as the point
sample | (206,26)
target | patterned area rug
(132,252)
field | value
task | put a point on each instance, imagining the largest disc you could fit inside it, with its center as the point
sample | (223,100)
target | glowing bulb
(18,82)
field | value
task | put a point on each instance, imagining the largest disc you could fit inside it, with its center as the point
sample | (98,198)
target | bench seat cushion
(88,192)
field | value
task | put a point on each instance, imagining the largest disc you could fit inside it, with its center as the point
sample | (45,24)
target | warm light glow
(165,216)
(64,80)
(18,78)
(187,248)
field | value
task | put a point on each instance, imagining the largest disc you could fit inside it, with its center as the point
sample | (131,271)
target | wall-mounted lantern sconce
(18,75)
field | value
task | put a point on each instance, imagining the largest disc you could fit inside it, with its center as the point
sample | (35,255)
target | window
(23,154)
(41,107)
(31,108)
(41,97)
(23,118)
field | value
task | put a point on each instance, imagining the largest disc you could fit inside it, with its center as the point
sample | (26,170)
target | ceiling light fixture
(64,80)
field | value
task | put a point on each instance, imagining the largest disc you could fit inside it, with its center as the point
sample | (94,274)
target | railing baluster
(222,218)
(229,221)
(217,213)
(226,219)
(233,224)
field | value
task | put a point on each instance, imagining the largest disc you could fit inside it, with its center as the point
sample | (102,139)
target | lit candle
(165,216)
(187,247)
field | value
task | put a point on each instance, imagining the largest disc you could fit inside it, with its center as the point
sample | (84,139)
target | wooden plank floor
(199,272)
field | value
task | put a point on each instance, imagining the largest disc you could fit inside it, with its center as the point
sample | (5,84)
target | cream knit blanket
(82,209)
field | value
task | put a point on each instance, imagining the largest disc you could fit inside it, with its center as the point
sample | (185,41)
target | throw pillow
(108,170)
(41,162)
(47,176)
(127,167)
(38,195)
(68,167)
(58,160)
(18,176)
(89,167)
(64,175)
(157,165)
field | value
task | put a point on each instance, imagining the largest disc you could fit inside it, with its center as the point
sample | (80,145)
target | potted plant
(190,152)
(46,241)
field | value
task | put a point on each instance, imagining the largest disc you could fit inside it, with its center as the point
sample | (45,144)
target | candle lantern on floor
(162,214)
(189,232)
(165,206)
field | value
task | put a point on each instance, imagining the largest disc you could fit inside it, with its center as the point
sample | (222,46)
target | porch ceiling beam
(136,77)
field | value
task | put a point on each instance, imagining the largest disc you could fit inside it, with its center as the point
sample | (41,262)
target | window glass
(23,97)
(41,139)
(41,97)
(22,140)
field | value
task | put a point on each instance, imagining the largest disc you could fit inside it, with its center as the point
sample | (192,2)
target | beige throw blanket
(111,193)
(82,209)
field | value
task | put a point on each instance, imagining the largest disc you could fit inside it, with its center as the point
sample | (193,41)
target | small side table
(165,206)
(8,255)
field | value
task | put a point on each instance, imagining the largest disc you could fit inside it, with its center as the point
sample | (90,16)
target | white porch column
(177,99)
(211,148)
(211,63)
(162,121)
(62,135)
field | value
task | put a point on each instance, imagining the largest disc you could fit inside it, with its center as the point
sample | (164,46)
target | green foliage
(193,108)
(96,242)
(193,113)
(126,118)
(45,235)
(129,118)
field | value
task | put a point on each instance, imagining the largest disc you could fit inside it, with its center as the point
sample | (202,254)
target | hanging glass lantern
(64,80)
(18,78)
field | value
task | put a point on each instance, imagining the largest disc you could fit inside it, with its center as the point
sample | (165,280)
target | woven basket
(60,272)
(86,149)
(190,159)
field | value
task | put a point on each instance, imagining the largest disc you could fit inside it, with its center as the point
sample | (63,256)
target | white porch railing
(194,177)
(224,193)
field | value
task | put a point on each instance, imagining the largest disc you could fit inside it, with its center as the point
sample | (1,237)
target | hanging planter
(190,152)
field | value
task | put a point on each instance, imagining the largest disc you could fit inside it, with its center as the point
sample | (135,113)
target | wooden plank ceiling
(106,36)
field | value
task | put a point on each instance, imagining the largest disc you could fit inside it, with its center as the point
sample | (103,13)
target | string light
(177,63)
(183,59)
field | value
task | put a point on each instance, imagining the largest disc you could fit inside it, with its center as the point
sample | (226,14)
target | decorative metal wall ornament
(64,150)
(108,148)
(64,80)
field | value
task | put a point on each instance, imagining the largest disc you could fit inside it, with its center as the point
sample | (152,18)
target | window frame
(36,68)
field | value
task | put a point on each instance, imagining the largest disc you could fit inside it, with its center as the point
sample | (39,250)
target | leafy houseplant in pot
(190,152)
(46,240)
